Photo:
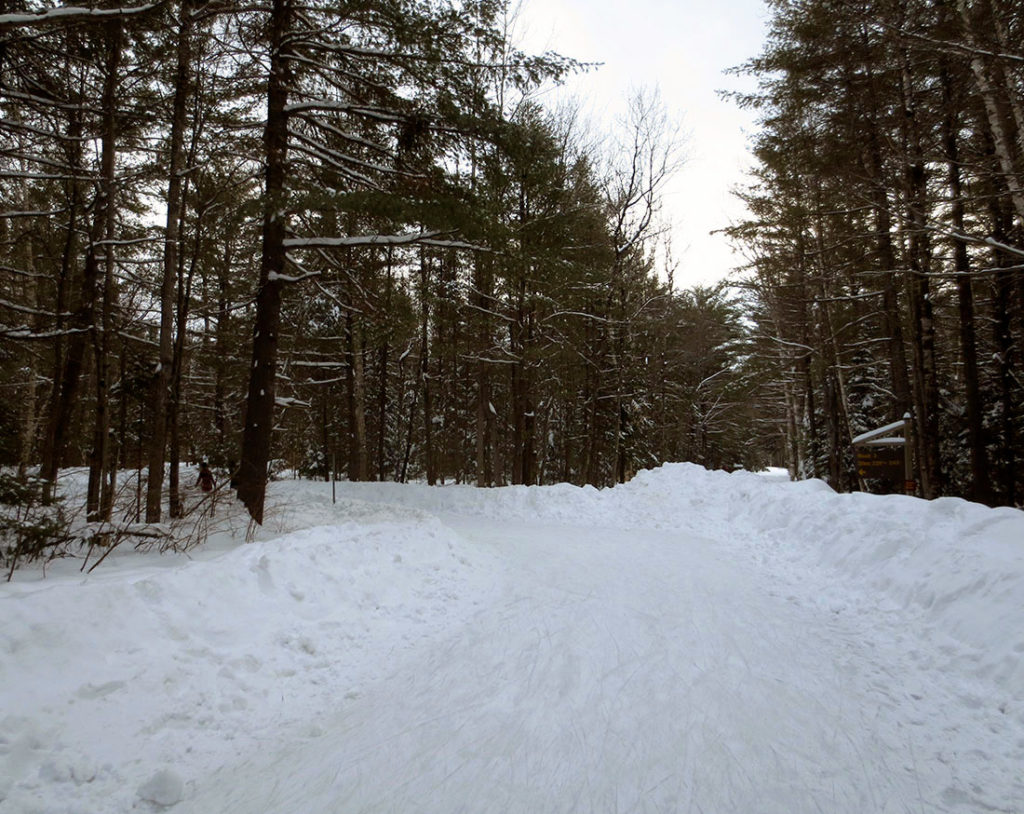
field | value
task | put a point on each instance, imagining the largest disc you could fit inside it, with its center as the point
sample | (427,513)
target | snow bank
(104,678)
(957,567)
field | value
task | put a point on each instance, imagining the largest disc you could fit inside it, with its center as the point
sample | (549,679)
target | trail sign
(881,462)
(884,453)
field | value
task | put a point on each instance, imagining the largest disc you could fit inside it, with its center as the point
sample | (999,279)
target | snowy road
(645,672)
(691,641)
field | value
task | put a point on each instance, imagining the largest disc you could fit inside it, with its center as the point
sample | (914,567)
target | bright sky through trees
(683,49)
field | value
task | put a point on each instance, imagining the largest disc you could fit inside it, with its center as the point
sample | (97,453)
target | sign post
(885,455)
(909,484)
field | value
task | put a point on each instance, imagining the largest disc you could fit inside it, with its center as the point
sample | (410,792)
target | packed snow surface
(689,641)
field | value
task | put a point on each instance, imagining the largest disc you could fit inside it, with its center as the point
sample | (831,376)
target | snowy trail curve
(615,672)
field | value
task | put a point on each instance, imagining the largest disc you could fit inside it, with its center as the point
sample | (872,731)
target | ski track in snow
(450,659)
(689,687)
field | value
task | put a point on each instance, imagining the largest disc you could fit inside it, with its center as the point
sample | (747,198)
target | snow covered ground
(690,641)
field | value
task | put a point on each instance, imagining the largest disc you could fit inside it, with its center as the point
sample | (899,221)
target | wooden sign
(885,462)
(884,454)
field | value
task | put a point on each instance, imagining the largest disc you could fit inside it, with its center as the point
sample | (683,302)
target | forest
(336,237)
(348,239)
(885,242)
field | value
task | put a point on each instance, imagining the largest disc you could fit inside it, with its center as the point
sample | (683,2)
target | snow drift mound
(954,567)
(224,655)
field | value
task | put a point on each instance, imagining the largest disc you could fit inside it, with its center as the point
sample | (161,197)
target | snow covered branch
(73,14)
(359,240)
(23,333)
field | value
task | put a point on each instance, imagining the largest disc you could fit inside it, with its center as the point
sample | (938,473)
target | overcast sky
(682,47)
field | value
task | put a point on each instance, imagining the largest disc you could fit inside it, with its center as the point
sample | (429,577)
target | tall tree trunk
(1005,79)
(837,420)
(359,383)
(175,501)
(175,396)
(925,387)
(529,439)
(116,443)
(793,450)
(172,233)
(592,410)
(410,425)
(804,362)
(518,384)
(382,382)
(886,265)
(222,349)
(980,487)
(325,438)
(496,424)
(1006,355)
(999,123)
(429,452)
(480,297)
(67,368)
(619,415)
(356,381)
(919,298)
(27,407)
(484,470)
(259,405)
(350,397)
(105,215)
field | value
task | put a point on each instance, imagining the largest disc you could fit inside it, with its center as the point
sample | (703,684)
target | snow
(274,276)
(688,641)
(164,789)
(288,401)
(70,14)
(876,433)
(359,240)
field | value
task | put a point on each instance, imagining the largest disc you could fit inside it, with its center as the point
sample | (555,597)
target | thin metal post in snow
(334,477)
(909,486)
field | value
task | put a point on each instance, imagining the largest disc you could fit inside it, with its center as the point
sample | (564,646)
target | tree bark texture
(172,233)
(257,436)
